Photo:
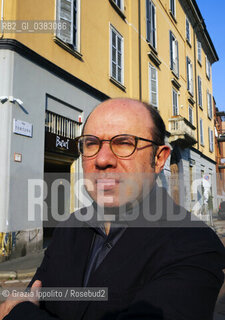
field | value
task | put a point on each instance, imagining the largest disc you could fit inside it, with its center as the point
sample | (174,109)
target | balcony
(182,132)
(221,162)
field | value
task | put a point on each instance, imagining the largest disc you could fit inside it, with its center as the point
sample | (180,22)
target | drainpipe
(196,91)
(139,48)
(2,19)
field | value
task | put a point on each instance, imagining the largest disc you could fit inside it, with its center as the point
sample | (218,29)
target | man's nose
(105,157)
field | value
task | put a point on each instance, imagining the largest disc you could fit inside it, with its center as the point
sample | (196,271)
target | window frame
(201,132)
(174,56)
(118,35)
(151,29)
(150,85)
(173,105)
(190,79)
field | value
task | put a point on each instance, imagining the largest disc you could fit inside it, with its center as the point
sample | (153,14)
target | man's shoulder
(197,246)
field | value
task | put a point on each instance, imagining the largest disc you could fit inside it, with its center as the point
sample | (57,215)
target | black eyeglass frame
(110,143)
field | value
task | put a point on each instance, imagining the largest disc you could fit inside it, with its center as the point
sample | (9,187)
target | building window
(190,114)
(199,48)
(172,7)
(211,146)
(201,133)
(68,15)
(209,104)
(188,30)
(175,103)
(207,67)
(190,76)
(200,91)
(153,86)
(116,59)
(119,3)
(151,23)
(174,54)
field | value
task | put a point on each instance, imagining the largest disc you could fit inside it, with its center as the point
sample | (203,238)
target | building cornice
(200,26)
(203,155)
(24,51)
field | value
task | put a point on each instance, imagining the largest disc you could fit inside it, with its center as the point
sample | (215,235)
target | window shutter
(199,51)
(114,54)
(119,59)
(211,147)
(148,20)
(118,2)
(153,86)
(175,107)
(209,135)
(208,101)
(116,58)
(190,114)
(210,106)
(199,95)
(171,50)
(188,76)
(191,67)
(187,29)
(207,66)
(172,7)
(212,141)
(153,27)
(65,15)
(201,131)
(200,91)
(177,58)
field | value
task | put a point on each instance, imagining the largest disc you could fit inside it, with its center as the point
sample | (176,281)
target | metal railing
(62,126)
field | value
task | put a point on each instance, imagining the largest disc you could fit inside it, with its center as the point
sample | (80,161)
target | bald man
(154,260)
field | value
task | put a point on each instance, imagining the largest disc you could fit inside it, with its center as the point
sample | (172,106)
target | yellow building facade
(89,59)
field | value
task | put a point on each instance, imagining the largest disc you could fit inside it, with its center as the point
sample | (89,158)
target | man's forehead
(119,116)
(120,110)
(123,104)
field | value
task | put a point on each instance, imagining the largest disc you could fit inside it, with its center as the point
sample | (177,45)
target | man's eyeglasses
(122,145)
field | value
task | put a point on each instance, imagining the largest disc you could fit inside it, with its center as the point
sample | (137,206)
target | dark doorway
(54,169)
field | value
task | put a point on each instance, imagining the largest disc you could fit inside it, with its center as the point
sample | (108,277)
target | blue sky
(213,14)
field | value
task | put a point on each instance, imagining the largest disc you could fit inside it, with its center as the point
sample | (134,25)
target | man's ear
(162,154)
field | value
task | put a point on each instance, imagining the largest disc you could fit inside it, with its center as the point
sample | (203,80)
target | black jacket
(151,273)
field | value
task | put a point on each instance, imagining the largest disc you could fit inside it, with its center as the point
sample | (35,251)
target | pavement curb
(8,275)
(17,275)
